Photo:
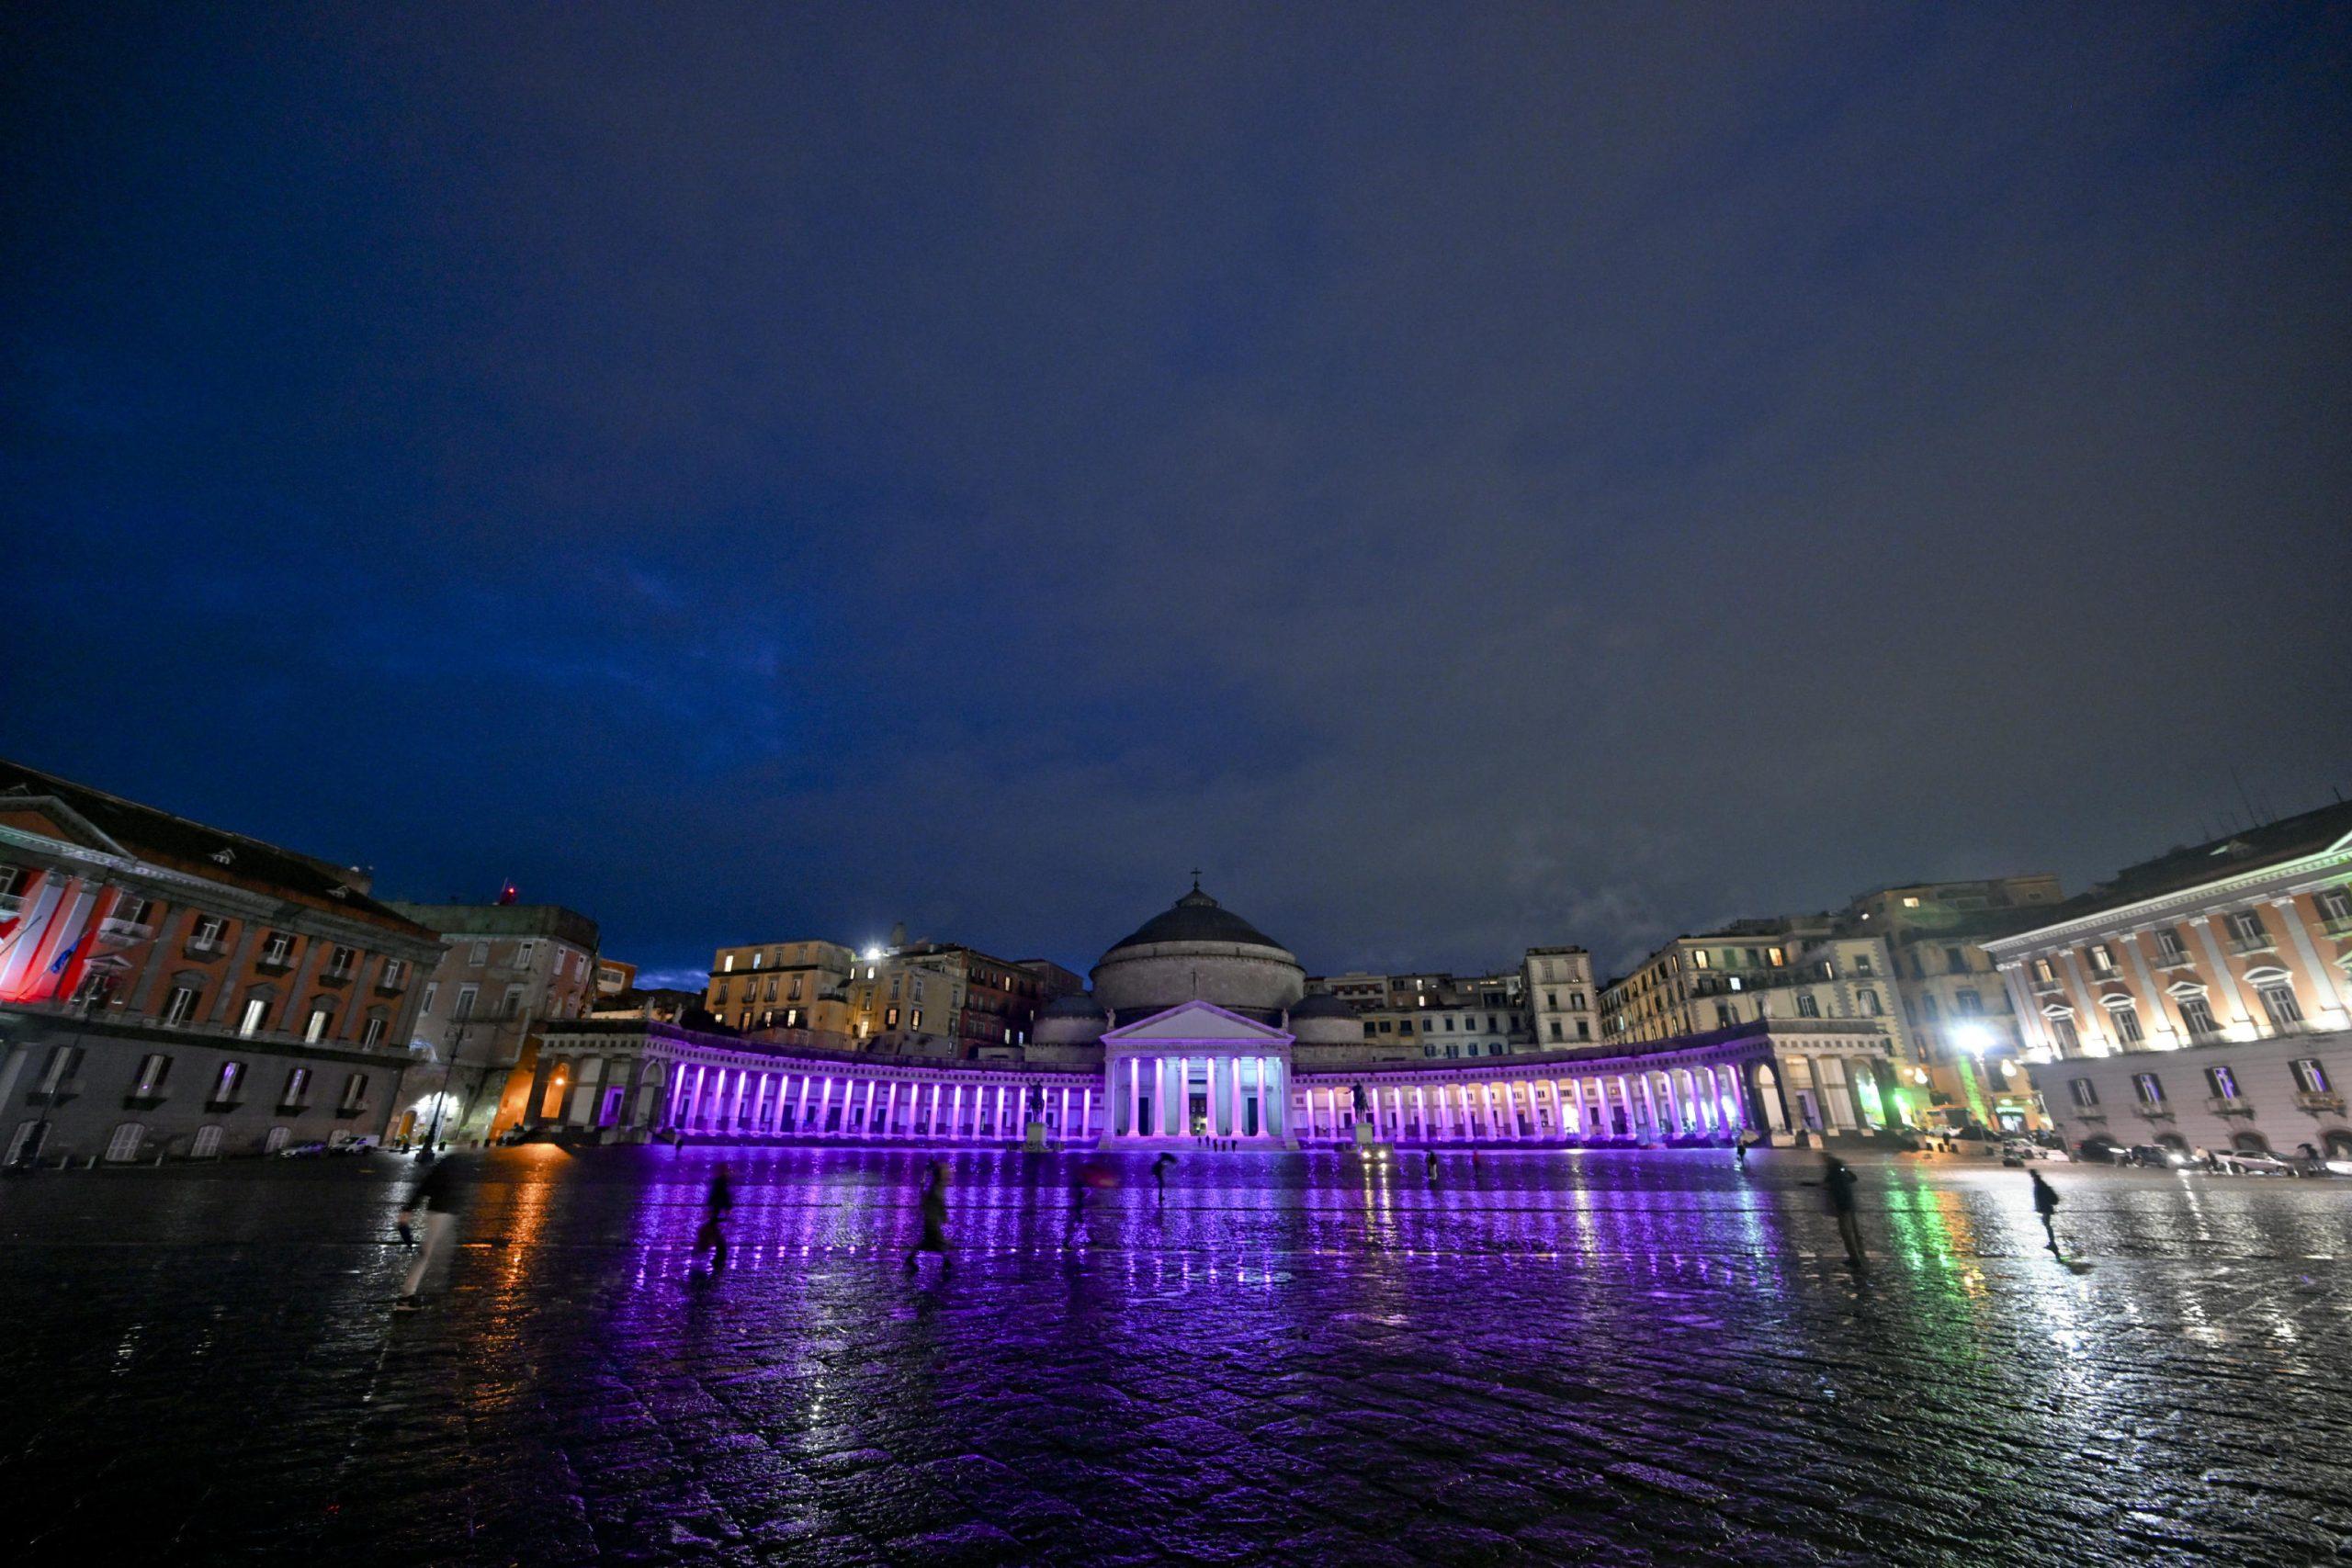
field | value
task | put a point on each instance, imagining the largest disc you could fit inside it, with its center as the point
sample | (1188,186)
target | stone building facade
(505,972)
(169,988)
(1794,967)
(2199,1000)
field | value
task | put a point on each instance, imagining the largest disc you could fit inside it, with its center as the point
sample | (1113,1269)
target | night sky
(1464,477)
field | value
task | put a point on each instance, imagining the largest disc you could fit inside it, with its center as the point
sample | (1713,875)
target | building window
(891,1017)
(321,1017)
(479,954)
(466,998)
(2084,1092)
(62,1060)
(914,1018)
(373,1034)
(1699,958)
(2127,1024)
(15,880)
(2247,929)
(2334,908)
(232,1079)
(2223,1082)
(2310,1077)
(1806,1006)
(432,989)
(1557,1033)
(1956,959)
(2149,1088)
(257,1012)
(1868,1000)
(2069,1043)
(2169,947)
(154,1068)
(339,963)
(2043,973)
(297,1088)
(206,938)
(395,971)
(513,1006)
(179,1006)
(727,964)
(355,1091)
(525,952)
(278,949)
(2102,958)
(2278,1001)
(2198,1018)
(132,911)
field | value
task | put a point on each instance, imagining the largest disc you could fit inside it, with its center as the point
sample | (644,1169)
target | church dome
(1322,1004)
(1197,950)
(1196,917)
(1078,1004)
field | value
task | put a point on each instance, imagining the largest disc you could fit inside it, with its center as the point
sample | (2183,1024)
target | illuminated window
(2102,958)
(2223,1082)
(2127,1024)
(2197,1017)
(2149,1088)
(2278,1001)
(2043,973)
(2310,1077)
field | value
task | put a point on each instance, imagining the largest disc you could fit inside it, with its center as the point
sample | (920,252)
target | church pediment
(1195,1021)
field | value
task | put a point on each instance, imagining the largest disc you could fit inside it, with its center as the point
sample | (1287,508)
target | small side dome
(1322,1004)
(1074,1020)
(1325,1020)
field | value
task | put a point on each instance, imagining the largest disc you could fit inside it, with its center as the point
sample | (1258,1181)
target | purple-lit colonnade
(1197,1072)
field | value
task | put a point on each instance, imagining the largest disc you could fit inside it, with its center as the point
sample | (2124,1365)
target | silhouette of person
(934,1218)
(2045,1204)
(717,1204)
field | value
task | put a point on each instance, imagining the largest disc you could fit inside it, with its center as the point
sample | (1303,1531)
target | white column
(2224,977)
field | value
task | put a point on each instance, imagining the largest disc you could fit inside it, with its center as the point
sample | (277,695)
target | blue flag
(64,956)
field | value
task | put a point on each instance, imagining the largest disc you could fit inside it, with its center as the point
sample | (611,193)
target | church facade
(1197,1032)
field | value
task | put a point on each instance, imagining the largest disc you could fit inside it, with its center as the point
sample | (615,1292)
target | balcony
(2319,1100)
(2181,959)
(123,933)
(11,904)
(144,1100)
(55,1094)
(275,963)
(2155,1111)
(200,949)
(2248,946)
(2229,1105)
(2334,925)
(223,1107)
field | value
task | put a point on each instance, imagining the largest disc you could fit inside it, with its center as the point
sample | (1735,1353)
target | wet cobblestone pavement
(1618,1358)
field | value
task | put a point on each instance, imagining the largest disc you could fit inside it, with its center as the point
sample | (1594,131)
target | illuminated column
(956,1110)
(2239,1019)
(1133,1096)
(890,1109)
(1086,1112)
(1233,1093)
(800,1105)
(866,1113)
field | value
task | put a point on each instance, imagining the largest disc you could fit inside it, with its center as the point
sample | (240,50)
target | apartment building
(2202,998)
(173,989)
(505,972)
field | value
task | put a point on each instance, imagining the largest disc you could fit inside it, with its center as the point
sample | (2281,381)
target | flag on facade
(64,956)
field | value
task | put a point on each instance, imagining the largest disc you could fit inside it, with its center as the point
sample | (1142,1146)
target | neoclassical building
(1197,1028)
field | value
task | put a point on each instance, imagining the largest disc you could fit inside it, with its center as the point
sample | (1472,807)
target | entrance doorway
(1200,1118)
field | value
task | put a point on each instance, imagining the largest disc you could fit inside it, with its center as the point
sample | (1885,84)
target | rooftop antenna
(2242,795)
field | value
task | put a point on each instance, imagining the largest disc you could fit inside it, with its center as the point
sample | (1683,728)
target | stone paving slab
(1608,1357)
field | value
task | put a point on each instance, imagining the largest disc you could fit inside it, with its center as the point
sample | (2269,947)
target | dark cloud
(1464,478)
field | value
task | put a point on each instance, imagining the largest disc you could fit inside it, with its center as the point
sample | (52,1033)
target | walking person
(717,1204)
(1159,1173)
(1739,1153)
(1431,1155)
(1838,1181)
(2045,1204)
(935,1219)
(432,1198)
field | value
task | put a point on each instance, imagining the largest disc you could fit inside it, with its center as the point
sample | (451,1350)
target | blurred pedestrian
(1160,1172)
(934,1218)
(433,1198)
(1740,1152)
(717,1203)
(1431,1155)
(2045,1204)
(1838,1182)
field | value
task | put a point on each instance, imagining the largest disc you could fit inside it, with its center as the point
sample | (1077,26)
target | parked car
(2252,1162)
(2026,1149)
(2157,1156)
